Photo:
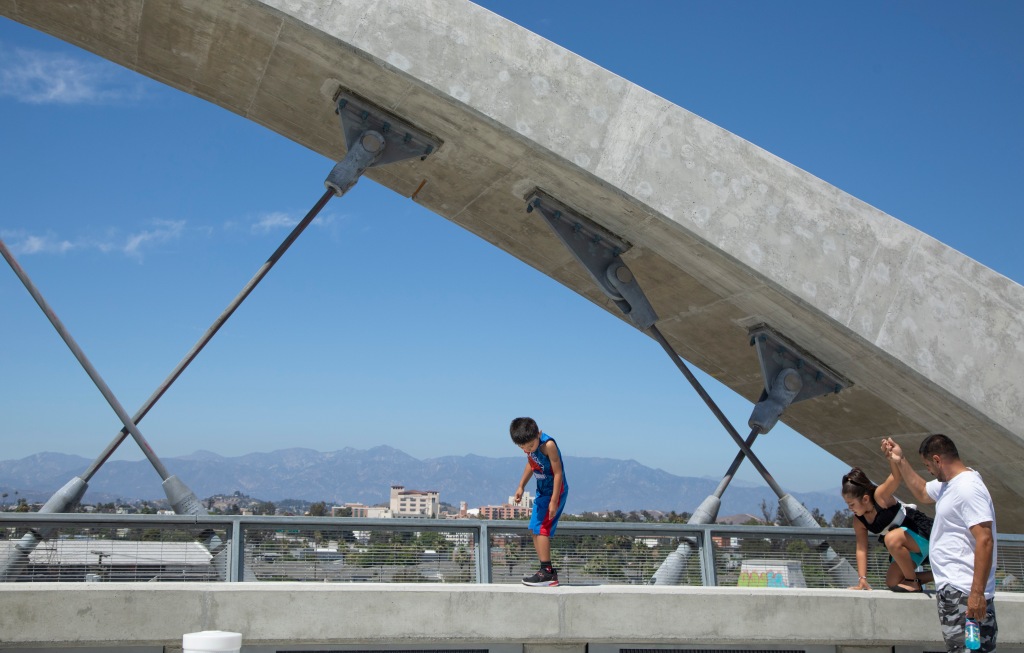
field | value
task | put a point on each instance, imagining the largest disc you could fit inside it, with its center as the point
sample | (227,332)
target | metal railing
(141,548)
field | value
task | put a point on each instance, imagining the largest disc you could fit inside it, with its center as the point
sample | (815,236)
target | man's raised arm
(914,482)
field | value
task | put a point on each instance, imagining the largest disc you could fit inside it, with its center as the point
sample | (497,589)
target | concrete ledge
(49,614)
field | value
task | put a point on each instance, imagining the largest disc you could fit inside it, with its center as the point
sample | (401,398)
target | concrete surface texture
(724,235)
(105,614)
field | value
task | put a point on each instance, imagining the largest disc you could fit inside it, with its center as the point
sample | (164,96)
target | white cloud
(328,221)
(133,245)
(273,221)
(38,77)
(163,231)
(279,221)
(48,244)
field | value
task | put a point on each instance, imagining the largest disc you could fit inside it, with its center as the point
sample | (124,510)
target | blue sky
(140,212)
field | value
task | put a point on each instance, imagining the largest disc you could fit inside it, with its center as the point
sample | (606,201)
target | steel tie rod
(83,360)
(181,497)
(366,147)
(599,251)
(210,332)
(744,447)
(373,137)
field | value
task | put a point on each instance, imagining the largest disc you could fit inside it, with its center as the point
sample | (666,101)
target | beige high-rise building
(414,503)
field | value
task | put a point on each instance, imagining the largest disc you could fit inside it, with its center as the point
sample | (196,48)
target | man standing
(962,546)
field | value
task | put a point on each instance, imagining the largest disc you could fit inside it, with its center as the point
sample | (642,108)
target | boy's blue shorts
(540,523)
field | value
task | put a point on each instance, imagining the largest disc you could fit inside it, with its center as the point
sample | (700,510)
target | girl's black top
(915,520)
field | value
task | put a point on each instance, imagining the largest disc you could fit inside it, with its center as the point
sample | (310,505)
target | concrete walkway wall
(417,615)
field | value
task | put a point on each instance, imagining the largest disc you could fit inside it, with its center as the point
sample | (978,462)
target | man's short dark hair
(523,430)
(938,445)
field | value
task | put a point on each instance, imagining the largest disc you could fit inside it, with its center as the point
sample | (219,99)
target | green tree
(769,515)
(461,557)
(318,509)
(842,519)
(513,553)
(677,518)
(265,508)
(434,541)
(408,575)
(151,535)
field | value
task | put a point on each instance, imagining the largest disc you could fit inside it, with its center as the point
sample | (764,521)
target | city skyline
(354,476)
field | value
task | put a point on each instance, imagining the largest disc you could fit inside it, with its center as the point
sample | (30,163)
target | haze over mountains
(365,476)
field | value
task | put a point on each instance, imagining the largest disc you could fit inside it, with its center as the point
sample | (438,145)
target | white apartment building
(525,502)
(415,503)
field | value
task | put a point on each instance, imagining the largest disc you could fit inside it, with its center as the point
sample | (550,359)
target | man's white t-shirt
(960,503)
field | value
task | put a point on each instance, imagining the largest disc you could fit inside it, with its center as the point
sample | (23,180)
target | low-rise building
(511,509)
(505,511)
(354,510)
(414,503)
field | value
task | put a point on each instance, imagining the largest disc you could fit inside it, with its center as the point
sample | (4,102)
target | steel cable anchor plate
(373,137)
(402,140)
(599,251)
(790,375)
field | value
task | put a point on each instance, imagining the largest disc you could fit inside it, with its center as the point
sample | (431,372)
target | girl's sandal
(907,590)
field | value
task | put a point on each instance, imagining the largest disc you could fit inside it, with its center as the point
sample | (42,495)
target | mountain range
(365,476)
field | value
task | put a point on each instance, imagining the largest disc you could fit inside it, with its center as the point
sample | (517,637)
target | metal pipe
(342,178)
(212,331)
(84,362)
(182,498)
(736,462)
(653,330)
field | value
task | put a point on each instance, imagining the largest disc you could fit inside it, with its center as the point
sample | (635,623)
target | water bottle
(972,634)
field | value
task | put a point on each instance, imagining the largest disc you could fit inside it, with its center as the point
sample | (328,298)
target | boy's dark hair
(523,430)
(857,484)
(938,445)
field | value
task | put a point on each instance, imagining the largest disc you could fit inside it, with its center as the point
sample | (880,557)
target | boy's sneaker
(542,578)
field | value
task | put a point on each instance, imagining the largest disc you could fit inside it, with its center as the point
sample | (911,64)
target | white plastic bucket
(211,641)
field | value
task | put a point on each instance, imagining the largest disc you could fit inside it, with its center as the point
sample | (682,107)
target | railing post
(236,559)
(483,555)
(707,559)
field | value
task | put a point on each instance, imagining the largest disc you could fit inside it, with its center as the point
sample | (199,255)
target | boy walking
(543,461)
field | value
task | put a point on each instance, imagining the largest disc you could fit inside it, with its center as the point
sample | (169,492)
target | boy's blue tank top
(542,471)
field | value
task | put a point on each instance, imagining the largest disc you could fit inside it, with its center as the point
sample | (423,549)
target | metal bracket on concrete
(373,137)
(790,375)
(599,252)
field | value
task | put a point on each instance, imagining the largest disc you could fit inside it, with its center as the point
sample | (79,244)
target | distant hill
(365,476)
